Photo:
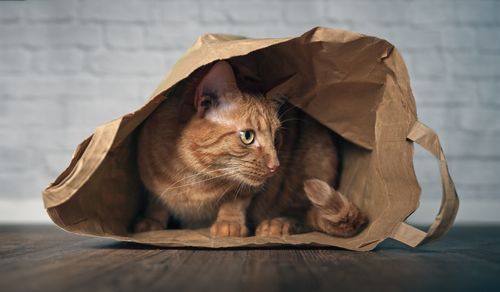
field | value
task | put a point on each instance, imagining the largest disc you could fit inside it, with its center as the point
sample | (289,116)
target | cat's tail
(332,212)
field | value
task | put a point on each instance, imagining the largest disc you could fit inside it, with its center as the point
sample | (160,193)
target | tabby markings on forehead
(221,114)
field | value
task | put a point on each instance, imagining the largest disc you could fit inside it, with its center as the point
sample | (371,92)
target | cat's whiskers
(204,174)
(286,160)
(252,169)
(201,181)
(199,173)
(222,195)
(179,174)
(225,191)
(286,111)
(291,119)
(238,190)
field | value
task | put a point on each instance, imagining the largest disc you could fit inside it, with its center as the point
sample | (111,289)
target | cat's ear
(277,100)
(216,87)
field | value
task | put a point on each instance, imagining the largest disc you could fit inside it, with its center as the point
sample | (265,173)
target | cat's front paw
(148,224)
(228,228)
(275,227)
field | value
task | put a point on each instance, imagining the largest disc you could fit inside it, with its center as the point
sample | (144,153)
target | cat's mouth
(252,178)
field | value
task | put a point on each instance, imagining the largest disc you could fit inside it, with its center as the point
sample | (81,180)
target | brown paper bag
(356,85)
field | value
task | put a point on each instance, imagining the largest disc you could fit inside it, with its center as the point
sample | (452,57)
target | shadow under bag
(356,85)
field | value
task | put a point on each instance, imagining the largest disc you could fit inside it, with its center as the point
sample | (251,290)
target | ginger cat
(240,163)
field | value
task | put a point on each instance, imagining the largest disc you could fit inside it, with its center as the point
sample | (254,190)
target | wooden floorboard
(45,258)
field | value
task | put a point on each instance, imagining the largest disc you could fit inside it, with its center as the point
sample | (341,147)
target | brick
(69,66)
(489,93)
(172,57)
(12,35)
(454,37)
(434,12)
(20,185)
(13,61)
(376,30)
(382,11)
(146,88)
(74,88)
(459,144)
(60,137)
(429,64)
(408,58)
(15,158)
(439,118)
(54,162)
(59,61)
(246,30)
(480,119)
(54,10)
(124,36)
(88,114)
(471,145)
(257,12)
(161,37)
(31,112)
(435,91)
(426,168)
(477,12)
(177,11)
(115,10)
(475,172)
(124,89)
(473,65)
(44,87)
(56,35)
(430,192)
(303,12)
(415,38)
(22,210)
(127,63)
(241,12)
(11,11)
(470,193)
(67,137)
(489,38)
(214,14)
(478,192)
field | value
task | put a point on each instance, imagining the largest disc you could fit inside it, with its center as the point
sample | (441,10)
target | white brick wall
(67,66)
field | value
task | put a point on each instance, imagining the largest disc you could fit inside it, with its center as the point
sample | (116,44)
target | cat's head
(232,134)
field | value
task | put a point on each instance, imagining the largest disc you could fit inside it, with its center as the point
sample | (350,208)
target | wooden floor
(44,258)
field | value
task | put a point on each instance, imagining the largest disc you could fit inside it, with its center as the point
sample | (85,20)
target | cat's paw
(332,212)
(148,224)
(275,227)
(225,228)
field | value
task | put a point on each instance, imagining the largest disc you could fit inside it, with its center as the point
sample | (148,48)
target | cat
(241,163)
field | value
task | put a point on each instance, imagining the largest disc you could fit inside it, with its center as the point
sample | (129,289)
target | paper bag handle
(407,234)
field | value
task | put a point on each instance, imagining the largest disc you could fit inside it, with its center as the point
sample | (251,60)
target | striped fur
(198,171)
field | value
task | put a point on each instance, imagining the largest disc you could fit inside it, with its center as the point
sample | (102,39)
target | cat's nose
(273,166)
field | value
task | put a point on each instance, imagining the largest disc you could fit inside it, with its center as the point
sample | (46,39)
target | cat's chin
(252,181)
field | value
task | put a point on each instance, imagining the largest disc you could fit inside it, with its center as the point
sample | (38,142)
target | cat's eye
(247,137)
